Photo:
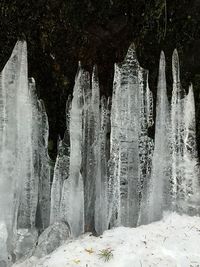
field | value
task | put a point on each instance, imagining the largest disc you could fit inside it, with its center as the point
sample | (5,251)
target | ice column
(90,164)
(15,136)
(29,196)
(101,201)
(159,193)
(191,185)
(146,143)
(94,158)
(44,172)
(61,170)
(177,132)
(36,188)
(72,201)
(125,169)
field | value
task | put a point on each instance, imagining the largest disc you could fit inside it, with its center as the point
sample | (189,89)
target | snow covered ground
(174,241)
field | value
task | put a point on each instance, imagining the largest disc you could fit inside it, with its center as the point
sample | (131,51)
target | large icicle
(94,159)
(90,164)
(101,118)
(101,202)
(15,136)
(43,209)
(146,143)
(61,170)
(36,189)
(125,127)
(178,132)
(158,195)
(191,185)
(72,202)
(29,197)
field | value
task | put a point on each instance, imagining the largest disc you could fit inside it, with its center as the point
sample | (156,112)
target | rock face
(26,242)
(54,236)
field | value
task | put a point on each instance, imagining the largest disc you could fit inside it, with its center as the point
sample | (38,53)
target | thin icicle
(101,181)
(44,170)
(72,202)
(158,199)
(191,183)
(61,170)
(178,131)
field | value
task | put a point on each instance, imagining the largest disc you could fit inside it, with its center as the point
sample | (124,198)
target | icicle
(44,170)
(158,195)
(146,143)
(36,190)
(101,203)
(101,117)
(190,185)
(177,132)
(29,199)
(149,104)
(15,136)
(61,170)
(125,127)
(72,202)
(90,155)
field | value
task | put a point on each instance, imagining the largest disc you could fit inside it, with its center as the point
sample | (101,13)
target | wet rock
(53,237)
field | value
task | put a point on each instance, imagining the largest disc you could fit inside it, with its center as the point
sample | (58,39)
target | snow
(171,242)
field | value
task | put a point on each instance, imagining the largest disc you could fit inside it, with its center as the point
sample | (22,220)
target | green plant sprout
(106,254)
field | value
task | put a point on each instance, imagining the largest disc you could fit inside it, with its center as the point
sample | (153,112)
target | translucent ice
(131,115)
(159,190)
(72,201)
(61,170)
(15,136)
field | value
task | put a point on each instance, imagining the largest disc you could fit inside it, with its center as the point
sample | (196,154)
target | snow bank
(174,241)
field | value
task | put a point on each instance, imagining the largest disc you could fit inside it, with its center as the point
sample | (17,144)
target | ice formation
(89,120)
(36,184)
(61,170)
(185,169)
(24,176)
(177,131)
(101,198)
(135,181)
(108,171)
(72,198)
(159,187)
(15,136)
(130,145)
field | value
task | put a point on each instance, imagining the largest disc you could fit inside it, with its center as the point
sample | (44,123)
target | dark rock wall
(62,32)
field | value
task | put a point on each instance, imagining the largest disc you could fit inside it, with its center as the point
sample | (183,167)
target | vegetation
(106,254)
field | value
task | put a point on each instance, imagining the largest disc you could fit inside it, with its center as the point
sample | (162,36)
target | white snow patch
(172,242)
